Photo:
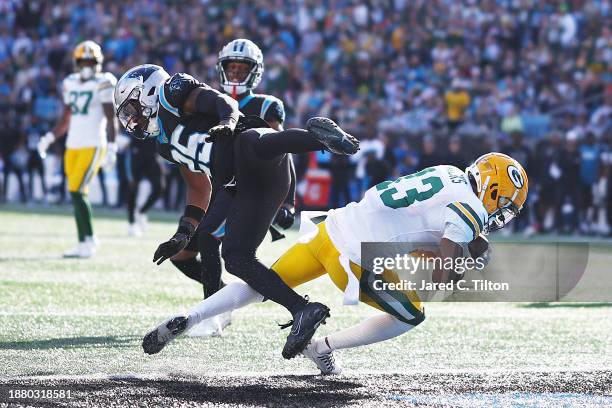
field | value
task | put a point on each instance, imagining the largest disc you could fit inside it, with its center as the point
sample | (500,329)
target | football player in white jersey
(89,120)
(441,204)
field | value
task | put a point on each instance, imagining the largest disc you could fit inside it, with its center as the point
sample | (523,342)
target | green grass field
(78,324)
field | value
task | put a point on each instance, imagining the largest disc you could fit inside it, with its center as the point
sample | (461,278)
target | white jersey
(85,98)
(419,208)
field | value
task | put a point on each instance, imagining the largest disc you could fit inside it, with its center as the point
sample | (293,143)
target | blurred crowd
(420,82)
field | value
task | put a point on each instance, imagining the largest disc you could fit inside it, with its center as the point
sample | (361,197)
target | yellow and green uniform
(307,261)
(86,140)
(417,210)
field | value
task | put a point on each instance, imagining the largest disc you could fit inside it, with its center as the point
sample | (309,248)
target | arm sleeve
(210,100)
(290,199)
(275,113)
(106,89)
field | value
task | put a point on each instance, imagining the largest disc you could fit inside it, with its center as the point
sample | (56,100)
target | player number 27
(391,197)
(79,102)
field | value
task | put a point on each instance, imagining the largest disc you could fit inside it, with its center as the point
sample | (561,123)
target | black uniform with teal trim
(270,109)
(207,241)
(257,163)
(182,138)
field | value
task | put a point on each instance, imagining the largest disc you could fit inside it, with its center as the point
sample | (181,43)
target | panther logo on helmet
(136,99)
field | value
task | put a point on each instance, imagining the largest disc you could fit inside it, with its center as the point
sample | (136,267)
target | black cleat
(331,136)
(303,326)
(163,334)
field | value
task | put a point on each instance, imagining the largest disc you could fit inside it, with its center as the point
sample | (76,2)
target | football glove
(111,156)
(44,143)
(176,244)
(480,248)
(219,132)
(285,217)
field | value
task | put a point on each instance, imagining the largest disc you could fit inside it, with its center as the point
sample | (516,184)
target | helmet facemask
(503,215)
(87,68)
(137,118)
(237,87)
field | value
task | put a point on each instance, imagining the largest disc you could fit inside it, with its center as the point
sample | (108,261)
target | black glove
(285,217)
(219,132)
(479,246)
(176,244)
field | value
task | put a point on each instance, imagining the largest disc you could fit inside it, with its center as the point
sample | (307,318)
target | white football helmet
(244,51)
(136,99)
(87,59)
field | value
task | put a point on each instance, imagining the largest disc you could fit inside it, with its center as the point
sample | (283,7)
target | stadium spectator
(476,70)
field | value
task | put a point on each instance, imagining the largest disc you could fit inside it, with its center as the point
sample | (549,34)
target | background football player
(204,133)
(88,117)
(141,162)
(240,68)
(440,204)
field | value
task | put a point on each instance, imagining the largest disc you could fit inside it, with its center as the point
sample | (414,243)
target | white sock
(231,297)
(373,330)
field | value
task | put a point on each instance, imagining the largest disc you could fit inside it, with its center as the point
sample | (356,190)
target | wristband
(194,212)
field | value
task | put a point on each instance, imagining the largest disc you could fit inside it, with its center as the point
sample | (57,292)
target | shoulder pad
(179,81)
(106,80)
(71,78)
(270,101)
(175,91)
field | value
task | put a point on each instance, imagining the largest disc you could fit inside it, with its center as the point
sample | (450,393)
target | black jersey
(267,107)
(182,138)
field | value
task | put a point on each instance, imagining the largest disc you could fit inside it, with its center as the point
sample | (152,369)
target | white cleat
(163,334)
(212,327)
(225,319)
(326,362)
(134,230)
(93,241)
(82,250)
(142,220)
(207,328)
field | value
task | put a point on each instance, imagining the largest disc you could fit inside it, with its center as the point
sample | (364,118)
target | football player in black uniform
(141,162)
(203,132)
(240,68)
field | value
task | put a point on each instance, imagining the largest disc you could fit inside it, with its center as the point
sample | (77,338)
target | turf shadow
(71,343)
(268,391)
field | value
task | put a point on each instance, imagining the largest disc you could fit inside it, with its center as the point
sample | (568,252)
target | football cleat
(142,220)
(225,319)
(163,334)
(82,250)
(326,362)
(93,241)
(134,230)
(331,136)
(212,327)
(303,326)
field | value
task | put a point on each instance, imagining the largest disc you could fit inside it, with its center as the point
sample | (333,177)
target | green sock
(88,225)
(77,200)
